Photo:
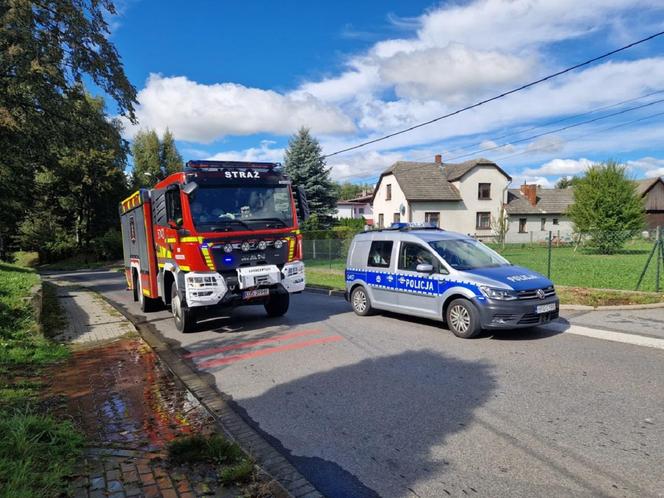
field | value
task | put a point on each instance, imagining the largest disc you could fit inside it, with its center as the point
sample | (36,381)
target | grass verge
(234,466)
(37,451)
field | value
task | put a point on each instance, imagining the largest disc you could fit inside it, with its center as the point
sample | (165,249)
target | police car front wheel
(360,302)
(463,319)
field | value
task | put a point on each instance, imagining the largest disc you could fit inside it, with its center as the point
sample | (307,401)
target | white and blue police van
(432,273)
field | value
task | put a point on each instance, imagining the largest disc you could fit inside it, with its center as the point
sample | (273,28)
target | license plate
(545,308)
(251,294)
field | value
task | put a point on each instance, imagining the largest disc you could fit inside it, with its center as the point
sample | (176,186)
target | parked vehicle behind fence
(217,235)
(447,276)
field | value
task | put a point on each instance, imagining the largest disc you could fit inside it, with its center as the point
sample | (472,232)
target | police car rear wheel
(360,302)
(184,317)
(463,319)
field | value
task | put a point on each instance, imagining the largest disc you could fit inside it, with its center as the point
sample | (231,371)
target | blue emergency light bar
(230,165)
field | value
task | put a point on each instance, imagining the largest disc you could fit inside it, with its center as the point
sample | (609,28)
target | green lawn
(581,268)
(37,451)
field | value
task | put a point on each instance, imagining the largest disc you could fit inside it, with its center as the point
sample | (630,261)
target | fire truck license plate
(251,294)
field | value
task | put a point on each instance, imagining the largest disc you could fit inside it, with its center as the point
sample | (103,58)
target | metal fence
(605,260)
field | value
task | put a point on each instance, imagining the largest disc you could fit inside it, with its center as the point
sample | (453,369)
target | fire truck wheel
(147,304)
(277,305)
(185,317)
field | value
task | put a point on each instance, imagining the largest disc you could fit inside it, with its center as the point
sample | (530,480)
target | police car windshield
(241,208)
(467,254)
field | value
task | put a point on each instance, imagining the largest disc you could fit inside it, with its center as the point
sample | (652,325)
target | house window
(381,220)
(432,218)
(483,221)
(484,191)
(388,193)
(396,218)
(360,210)
(522,225)
(380,254)
(555,221)
(543,224)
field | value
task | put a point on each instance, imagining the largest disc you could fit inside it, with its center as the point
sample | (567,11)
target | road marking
(607,335)
(269,351)
(248,344)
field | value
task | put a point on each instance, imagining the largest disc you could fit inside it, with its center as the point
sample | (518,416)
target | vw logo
(540,293)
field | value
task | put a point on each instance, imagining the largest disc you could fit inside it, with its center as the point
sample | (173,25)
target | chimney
(438,159)
(530,193)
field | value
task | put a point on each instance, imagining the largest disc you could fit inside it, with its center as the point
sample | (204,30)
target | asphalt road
(398,407)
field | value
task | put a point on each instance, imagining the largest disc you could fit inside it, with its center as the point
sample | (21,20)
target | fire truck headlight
(228,248)
(278,244)
(262,245)
(245,246)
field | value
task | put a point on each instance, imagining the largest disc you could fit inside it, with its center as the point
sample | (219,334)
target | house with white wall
(533,211)
(462,197)
(360,207)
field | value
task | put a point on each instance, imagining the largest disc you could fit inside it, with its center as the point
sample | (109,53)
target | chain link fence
(602,260)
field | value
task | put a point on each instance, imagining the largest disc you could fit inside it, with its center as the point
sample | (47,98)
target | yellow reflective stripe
(131,196)
(170,240)
(146,292)
(160,265)
(191,239)
(185,268)
(207,257)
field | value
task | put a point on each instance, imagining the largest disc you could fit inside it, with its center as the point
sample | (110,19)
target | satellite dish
(402,209)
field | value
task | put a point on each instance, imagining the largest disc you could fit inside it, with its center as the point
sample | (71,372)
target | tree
(46,48)
(75,199)
(348,190)
(146,151)
(168,152)
(501,225)
(566,182)
(305,165)
(607,206)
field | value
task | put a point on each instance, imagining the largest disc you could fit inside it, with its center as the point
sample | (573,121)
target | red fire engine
(219,234)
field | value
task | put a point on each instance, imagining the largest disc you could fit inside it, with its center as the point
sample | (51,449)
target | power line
(557,130)
(584,135)
(504,94)
(545,125)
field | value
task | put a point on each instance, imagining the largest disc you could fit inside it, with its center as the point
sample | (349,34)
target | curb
(324,290)
(288,482)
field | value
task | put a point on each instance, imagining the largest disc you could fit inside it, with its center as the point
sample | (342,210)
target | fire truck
(217,235)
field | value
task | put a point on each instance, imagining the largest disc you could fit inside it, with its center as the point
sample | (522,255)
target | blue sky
(233,80)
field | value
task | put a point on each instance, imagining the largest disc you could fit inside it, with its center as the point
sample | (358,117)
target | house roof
(365,199)
(549,201)
(643,186)
(432,181)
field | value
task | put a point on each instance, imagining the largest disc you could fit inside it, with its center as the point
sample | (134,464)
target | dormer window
(388,193)
(484,191)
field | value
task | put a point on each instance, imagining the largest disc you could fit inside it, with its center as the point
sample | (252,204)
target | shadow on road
(383,418)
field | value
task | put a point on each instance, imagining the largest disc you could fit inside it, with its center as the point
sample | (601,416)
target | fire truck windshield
(241,208)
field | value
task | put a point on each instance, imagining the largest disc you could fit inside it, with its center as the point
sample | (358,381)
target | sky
(234,80)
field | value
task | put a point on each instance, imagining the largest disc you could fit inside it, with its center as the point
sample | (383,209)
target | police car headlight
(499,294)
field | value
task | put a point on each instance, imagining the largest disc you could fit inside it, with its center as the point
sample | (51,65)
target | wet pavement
(129,407)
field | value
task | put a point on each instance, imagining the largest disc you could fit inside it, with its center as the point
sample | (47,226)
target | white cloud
(203,113)
(650,167)
(559,167)
(263,153)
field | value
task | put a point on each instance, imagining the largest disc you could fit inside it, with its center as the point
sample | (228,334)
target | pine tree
(146,151)
(170,157)
(305,165)
(607,206)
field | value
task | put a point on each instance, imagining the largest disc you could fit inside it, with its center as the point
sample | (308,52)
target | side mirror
(189,188)
(424,268)
(302,204)
(175,224)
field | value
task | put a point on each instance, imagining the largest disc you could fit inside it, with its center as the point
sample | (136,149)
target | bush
(107,247)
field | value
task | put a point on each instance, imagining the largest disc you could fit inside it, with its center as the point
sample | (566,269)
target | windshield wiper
(271,220)
(215,228)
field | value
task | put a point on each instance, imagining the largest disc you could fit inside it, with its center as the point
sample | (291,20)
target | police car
(432,273)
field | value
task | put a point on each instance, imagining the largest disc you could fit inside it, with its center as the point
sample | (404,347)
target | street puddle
(121,396)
